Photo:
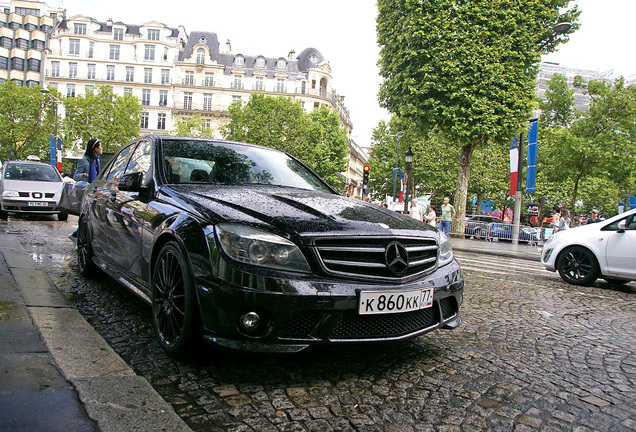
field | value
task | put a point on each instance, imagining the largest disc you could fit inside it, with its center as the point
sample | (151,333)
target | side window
(117,168)
(140,160)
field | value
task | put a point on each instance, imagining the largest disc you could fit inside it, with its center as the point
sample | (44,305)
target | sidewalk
(56,372)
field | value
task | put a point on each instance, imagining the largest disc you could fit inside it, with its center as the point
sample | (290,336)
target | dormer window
(281,64)
(260,62)
(153,34)
(79,29)
(239,61)
(200,56)
(118,34)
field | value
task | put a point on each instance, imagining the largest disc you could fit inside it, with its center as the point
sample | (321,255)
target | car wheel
(578,266)
(478,234)
(62,216)
(84,250)
(4,215)
(173,303)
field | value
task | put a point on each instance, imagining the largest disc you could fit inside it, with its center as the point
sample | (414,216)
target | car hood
(33,186)
(301,212)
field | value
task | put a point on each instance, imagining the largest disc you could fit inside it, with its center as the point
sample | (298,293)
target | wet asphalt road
(533,353)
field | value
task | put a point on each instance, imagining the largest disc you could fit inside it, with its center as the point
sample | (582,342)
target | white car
(30,188)
(605,250)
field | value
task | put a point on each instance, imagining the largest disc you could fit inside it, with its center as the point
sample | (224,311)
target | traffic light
(365,176)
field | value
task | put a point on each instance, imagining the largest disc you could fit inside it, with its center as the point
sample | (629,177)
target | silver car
(30,187)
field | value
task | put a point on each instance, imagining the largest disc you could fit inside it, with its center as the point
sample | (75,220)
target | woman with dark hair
(88,166)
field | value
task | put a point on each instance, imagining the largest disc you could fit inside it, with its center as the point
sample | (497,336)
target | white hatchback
(600,250)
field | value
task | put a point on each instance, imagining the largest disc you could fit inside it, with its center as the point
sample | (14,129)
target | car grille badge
(397,258)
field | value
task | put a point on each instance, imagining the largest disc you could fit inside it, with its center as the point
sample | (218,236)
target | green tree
(557,109)
(26,122)
(280,123)
(465,68)
(192,127)
(111,118)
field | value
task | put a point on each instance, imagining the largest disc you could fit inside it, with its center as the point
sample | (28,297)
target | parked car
(477,225)
(503,231)
(30,187)
(248,248)
(599,250)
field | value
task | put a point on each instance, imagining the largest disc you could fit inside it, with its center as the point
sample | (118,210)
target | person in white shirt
(415,212)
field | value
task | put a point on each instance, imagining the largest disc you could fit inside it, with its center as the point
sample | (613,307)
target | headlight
(445,250)
(257,247)
(10,194)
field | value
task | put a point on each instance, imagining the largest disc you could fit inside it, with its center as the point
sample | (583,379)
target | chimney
(109,22)
(291,55)
(228,47)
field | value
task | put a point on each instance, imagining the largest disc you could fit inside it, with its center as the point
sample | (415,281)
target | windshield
(208,162)
(31,172)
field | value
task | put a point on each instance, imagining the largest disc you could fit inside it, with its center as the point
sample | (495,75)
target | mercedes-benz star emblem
(397,258)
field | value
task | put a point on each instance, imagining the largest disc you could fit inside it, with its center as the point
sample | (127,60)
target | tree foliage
(317,139)
(102,114)
(465,68)
(26,121)
(192,127)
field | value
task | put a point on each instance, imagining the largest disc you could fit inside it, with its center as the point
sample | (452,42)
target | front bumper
(29,206)
(297,313)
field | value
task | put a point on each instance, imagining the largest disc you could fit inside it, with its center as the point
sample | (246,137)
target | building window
(260,84)
(281,64)
(79,29)
(38,45)
(235,98)
(127,90)
(72,70)
(144,120)
(130,74)
(110,72)
(161,121)
(55,68)
(70,90)
(187,100)
(33,65)
(201,56)
(163,97)
(22,43)
(149,52)
(207,102)
(4,62)
(91,49)
(148,75)
(17,63)
(145,97)
(153,35)
(189,78)
(53,85)
(6,42)
(238,82)
(91,71)
(303,87)
(89,89)
(165,53)
(26,11)
(207,123)
(165,76)
(239,61)
(280,85)
(118,34)
(114,52)
(260,62)
(73,46)
(209,79)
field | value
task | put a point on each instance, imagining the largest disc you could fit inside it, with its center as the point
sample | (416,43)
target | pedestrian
(563,222)
(65,178)
(415,211)
(448,213)
(431,216)
(88,165)
(594,218)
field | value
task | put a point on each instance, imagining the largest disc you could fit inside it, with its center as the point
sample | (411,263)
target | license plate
(37,204)
(386,302)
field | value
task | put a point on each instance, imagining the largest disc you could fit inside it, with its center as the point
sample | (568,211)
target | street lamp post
(54,138)
(408,157)
(397,137)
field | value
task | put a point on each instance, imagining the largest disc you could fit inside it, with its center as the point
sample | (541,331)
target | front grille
(354,326)
(49,195)
(366,257)
(449,307)
(23,194)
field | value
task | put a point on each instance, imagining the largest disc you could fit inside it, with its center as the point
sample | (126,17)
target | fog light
(250,321)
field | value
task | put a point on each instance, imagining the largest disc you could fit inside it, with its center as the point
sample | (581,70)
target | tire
(84,250)
(578,266)
(62,217)
(4,215)
(173,301)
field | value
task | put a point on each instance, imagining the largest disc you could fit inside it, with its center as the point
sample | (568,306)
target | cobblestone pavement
(532,354)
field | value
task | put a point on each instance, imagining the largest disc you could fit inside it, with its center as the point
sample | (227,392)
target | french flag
(514,166)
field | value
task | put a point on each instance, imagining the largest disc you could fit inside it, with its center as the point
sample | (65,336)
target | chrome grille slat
(364,257)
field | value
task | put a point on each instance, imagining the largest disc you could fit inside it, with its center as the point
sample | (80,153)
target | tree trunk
(461,191)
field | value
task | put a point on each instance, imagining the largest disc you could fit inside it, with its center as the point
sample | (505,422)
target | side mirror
(622,226)
(131,182)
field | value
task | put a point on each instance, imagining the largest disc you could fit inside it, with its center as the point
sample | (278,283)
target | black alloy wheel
(578,266)
(84,250)
(173,303)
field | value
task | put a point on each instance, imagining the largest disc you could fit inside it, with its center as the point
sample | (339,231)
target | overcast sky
(344,31)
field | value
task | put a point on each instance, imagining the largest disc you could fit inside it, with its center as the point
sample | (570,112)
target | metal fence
(497,231)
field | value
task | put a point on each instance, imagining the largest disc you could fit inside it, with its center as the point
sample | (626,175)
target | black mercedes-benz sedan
(247,248)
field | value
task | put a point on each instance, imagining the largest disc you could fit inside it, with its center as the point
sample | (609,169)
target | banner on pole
(531,172)
(514,161)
